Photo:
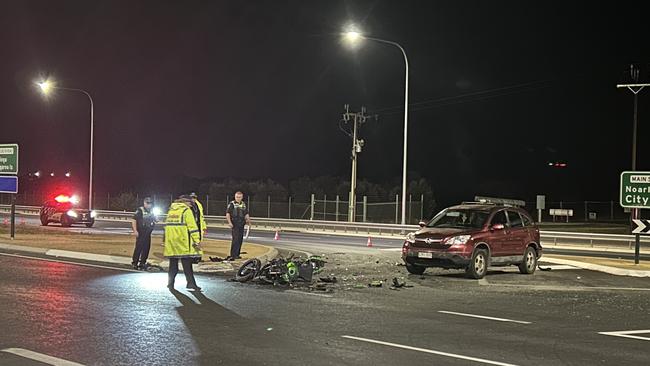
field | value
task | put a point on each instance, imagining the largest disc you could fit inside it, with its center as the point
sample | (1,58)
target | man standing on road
(203,225)
(143,223)
(182,241)
(237,217)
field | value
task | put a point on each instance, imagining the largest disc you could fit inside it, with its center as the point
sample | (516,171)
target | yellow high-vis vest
(181,232)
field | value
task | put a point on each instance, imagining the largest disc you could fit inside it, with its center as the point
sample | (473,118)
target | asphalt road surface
(94,315)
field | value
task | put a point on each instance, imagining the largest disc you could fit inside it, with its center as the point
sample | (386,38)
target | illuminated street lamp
(37,174)
(46,87)
(67,175)
(353,38)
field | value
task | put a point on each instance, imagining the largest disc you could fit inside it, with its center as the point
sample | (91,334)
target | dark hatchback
(473,236)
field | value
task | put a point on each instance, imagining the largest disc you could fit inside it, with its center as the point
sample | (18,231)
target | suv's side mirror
(497,227)
(422,224)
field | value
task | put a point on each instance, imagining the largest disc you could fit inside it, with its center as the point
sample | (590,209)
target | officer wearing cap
(143,223)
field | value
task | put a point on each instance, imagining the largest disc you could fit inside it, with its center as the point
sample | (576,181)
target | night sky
(255,89)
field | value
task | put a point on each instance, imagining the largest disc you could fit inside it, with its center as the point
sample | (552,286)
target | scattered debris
(217,259)
(328,279)
(320,287)
(397,283)
(375,284)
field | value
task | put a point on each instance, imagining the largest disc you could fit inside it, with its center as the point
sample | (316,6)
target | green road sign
(635,189)
(8,158)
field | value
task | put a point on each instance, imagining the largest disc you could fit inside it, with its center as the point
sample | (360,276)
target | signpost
(9,181)
(635,194)
(541,205)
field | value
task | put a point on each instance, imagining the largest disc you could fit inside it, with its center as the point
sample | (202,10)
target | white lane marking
(483,317)
(391,249)
(627,334)
(308,293)
(439,353)
(68,262)
(50,360)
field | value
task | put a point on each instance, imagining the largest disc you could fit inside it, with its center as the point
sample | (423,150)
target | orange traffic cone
(277,235)
(369,245)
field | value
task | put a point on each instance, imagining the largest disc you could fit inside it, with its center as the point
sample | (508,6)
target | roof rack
(477,203)
(500,201)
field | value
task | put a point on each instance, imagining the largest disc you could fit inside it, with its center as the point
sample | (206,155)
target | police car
(62,209)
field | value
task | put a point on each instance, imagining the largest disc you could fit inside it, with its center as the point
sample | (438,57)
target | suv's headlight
(93,214)
(457,240)
(71,213)
(410,238)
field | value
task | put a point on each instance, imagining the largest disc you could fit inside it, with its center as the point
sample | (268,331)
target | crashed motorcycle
(280,271)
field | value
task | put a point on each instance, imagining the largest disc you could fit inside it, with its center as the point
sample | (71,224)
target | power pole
(357,119)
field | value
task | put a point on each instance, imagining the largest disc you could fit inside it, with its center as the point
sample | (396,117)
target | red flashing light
(62,198)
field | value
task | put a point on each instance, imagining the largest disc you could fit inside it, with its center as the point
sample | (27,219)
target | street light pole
(45,87)
(635,89)
(406,110)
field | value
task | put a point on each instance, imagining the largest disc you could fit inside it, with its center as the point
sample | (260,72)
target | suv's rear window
(515,219)
(461,219)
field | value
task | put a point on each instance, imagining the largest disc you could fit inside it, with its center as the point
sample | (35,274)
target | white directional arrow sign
(642,226)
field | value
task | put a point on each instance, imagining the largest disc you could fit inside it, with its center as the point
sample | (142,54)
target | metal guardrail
(549,238)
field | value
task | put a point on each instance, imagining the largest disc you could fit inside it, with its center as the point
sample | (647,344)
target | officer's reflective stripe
(194,231)
(175,224)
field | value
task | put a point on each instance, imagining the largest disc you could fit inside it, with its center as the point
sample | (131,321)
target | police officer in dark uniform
(237,216)
(143,223)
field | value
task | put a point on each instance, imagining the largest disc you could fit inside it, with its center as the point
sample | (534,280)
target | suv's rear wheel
(44,220)
(477,268)
(530,261)
(413,269)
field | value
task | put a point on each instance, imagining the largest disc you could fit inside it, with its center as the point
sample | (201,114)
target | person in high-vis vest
(204,226)
(182,241)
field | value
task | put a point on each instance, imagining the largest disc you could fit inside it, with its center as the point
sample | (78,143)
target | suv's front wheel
(413,269)
(530,261)
(477,267)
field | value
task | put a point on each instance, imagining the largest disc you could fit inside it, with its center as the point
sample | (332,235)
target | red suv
(474,236)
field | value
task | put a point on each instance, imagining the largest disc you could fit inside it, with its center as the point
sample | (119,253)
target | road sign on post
(8,158)
(541,205)
(635,193)
(641,226)
(635,190)
(8,184)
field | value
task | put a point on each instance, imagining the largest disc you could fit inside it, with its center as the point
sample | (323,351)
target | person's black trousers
(237,240)
(141,251)
(187,269)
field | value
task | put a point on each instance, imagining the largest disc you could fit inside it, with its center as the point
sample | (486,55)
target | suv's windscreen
(460,219)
